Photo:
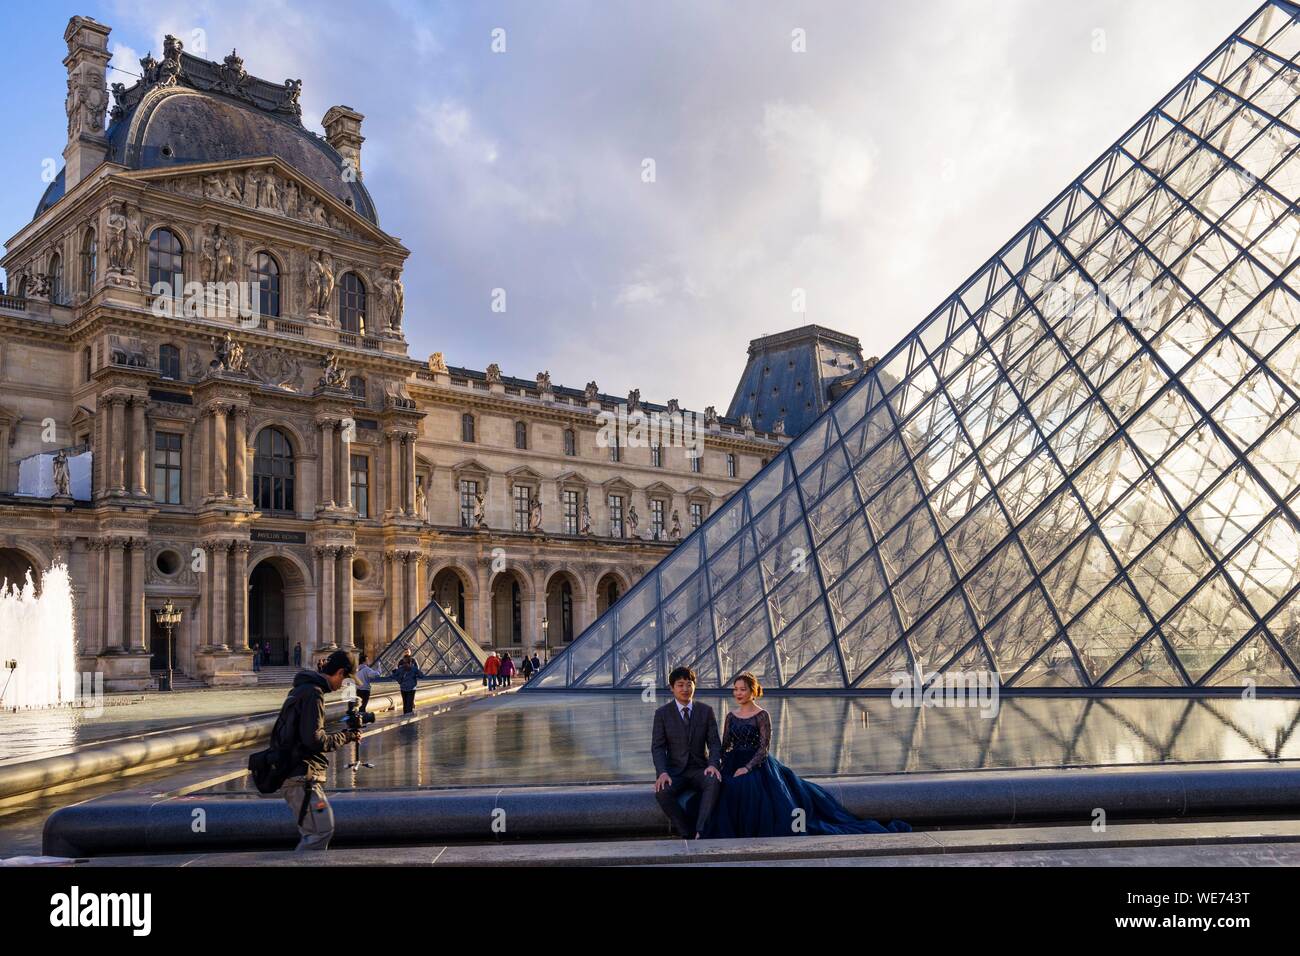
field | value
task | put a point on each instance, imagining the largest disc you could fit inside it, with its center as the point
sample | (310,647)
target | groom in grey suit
(682,729)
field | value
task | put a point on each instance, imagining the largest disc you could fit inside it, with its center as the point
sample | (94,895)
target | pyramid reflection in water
(1080,471)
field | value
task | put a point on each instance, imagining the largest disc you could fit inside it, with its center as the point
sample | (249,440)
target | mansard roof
(186,110)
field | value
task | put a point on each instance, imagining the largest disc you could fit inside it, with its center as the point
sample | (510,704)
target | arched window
(169,362)
(521,435)
(467,427)
(166,261)
(56,279)
(89,261)
(352,304)
(273,471)
(266,276)
(357,386)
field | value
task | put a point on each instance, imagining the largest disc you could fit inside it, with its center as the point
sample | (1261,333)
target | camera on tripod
(356,718)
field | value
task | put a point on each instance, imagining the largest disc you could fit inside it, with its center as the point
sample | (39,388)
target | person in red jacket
(490,670)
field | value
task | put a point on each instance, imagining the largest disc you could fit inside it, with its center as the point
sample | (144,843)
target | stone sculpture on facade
(634,401)
(333,376)
(320,283)
(747,422)
(493,374)
(584,524)
(674,407)
(86,103)
(675,533)
(392,296)
(421,502)
(124,237)
(633,521)
(535,515)
(480,518)
(544,381)
(62,476)
(778,427)
(591,392)
(437,364)
(229,355)
(710,417)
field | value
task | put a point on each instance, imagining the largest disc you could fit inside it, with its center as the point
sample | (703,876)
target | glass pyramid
(439,646)
(1081,470)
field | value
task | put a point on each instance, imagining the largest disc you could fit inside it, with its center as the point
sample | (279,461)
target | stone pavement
(1218,843)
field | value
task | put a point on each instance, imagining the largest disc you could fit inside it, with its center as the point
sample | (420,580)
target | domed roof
(188,110)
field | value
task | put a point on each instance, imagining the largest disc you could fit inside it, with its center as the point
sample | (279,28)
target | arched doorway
(448,589)
(608,591)
(507,610)
(561,599)
(14,568)
(266,612)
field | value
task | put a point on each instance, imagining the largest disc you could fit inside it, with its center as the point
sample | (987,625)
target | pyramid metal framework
(1081,470)
(440,648)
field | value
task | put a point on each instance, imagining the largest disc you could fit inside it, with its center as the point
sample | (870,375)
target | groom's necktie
(686,716)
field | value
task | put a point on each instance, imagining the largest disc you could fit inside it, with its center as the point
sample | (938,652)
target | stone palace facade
(293,478)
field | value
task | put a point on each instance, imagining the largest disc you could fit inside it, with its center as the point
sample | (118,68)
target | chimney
(343,132)
(87,100)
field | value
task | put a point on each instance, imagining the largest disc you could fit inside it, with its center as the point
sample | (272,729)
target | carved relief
(273,367)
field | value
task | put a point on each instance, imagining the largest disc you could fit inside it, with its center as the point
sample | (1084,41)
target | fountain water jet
(37,632)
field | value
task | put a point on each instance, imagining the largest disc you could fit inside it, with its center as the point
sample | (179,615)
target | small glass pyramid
(1081,470)
(440,648)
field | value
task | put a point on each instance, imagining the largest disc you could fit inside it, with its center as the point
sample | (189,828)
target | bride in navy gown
(760,794)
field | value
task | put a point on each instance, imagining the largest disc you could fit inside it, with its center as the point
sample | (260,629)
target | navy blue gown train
(761,803)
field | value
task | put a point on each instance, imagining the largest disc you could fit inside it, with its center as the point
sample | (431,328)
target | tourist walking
(526,668)
(490,669)
(408,678)
(365,674)
(297,655)
(537,664)
(507,670)
(257,656)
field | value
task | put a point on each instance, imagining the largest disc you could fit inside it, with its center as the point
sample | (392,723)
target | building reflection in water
(577,739)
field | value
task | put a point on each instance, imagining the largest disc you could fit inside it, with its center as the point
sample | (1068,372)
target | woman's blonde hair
(755,688)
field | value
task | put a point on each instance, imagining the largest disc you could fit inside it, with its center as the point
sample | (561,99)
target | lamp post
(169,615)
(546,623)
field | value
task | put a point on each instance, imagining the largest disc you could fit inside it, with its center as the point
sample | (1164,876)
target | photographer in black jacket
(302,727)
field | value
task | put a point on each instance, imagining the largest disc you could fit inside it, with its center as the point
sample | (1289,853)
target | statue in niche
(584,523)
(334,376)
(393,296)
(633,520)
(535,515)
(62,476)
(124,237)
(592,392)
(675,533)
(480,518)
(320,280)
(223,248)
(421,502)
(208,257)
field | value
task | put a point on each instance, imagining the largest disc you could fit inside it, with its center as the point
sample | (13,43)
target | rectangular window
(521,435)
(167,468)
(656,456)
(697,514)
(615,453)
(656,518)
(697,463)
(523,498)
(731,466)
(468,498)
(615,516)
(570,502)
(570,442)
(361,485)
(467,427)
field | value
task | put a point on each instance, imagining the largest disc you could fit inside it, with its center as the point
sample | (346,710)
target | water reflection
(572,739)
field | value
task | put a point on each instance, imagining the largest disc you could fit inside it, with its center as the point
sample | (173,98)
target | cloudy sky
(875,170)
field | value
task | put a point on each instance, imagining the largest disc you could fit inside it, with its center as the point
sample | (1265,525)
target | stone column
(139,449)
(239,473)
(408,462)
(394,454)
(117,444)
(344,585)
(217,571)
(219,465)
(326,463)
(239,595)
(344,452)
(116,598)
(137,622)
(410,586)
(327,596)
(101,473)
